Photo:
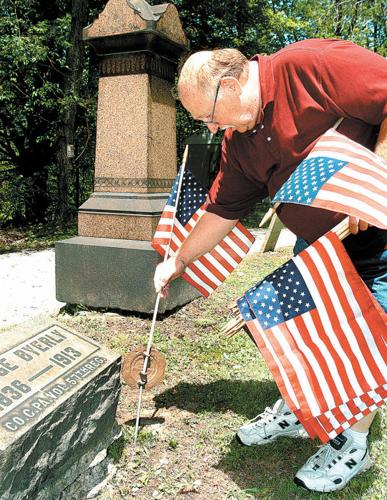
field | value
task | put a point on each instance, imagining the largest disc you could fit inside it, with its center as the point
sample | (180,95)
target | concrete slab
(112,273)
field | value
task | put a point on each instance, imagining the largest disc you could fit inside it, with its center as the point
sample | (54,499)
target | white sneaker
(271,424)
(335,464)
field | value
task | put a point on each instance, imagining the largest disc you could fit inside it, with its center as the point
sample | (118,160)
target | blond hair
(204,69)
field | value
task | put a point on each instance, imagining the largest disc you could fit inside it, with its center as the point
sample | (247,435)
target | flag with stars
(323,336)
(342,176)
(211,269)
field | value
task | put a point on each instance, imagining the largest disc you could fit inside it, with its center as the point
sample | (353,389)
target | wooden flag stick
(236,323)
(269,214)
(342,229)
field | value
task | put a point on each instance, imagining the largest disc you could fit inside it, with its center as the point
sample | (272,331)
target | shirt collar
(266,78)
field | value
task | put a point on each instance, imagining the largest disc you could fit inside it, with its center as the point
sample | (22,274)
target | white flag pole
(143,373)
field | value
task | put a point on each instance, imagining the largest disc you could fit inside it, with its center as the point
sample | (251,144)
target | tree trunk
(376,35)
(339,18)
(72,88)
(31,164)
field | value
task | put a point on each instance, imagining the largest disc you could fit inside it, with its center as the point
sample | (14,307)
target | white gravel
(27,286)
(27,281)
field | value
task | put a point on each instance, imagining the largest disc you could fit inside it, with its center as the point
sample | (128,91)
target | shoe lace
(264,418)
(325,456)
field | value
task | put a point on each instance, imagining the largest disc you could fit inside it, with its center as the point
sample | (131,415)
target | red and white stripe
(210,270)
(330,424)
(359,188)
(328,362)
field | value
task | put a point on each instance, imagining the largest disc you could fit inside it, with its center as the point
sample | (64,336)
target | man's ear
(230,85)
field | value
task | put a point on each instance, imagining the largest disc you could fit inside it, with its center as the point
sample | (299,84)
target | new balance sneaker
(273,423)
(335,463)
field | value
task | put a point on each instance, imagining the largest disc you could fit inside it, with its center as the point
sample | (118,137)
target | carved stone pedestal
(111,263)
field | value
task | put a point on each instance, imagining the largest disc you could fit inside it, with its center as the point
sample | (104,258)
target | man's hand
(356,225)
(167,271)
(207,233)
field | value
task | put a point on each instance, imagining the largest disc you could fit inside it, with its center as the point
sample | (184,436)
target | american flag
(323,336)
(342,176)
(209,271)
(335,421)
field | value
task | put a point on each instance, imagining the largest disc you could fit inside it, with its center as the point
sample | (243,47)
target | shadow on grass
(74,309)
(144,422)
(243,397)
(265,471)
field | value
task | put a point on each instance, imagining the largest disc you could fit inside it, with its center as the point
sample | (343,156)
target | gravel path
(28,281)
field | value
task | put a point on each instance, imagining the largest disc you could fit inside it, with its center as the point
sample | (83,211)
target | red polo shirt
(305,88)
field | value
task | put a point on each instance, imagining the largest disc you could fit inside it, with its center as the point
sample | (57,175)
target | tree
(72,78)
(48,79)
(28,95)
(362,21)
(47,100)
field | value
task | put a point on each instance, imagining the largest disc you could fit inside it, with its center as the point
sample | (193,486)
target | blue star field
(281,296)
(192,196)
(307,180)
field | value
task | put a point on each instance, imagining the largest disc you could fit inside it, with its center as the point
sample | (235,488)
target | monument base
(113,273)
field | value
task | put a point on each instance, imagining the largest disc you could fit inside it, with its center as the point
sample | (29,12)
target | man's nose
(213,128)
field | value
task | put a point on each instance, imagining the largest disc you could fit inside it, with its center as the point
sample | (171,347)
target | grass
(254,217)
(212,385)
(32,237)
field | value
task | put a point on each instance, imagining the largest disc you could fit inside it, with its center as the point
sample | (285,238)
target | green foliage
(33,237)
(362,21)
(30,86)
(172,443)
(34,43)
(116,449)
(230,23)
(12,191)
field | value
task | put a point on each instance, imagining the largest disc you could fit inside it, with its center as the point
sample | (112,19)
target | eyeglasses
(211,120)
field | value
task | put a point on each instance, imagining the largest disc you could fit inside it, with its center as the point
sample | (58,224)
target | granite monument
(111,263)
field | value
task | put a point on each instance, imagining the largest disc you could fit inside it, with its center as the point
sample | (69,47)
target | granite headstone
(58,397)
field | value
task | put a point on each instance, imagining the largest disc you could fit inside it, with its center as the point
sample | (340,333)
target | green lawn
(212,385)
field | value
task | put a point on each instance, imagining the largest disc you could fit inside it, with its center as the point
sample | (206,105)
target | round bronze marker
(133,364)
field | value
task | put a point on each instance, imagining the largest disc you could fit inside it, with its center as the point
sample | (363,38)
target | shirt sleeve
(354,81)
(233,194)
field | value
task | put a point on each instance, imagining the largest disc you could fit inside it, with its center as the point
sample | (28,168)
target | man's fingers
(354,225)
(160,284)
(166,272)
(363,225)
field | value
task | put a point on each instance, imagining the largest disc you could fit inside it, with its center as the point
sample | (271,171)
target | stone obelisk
(111,263)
